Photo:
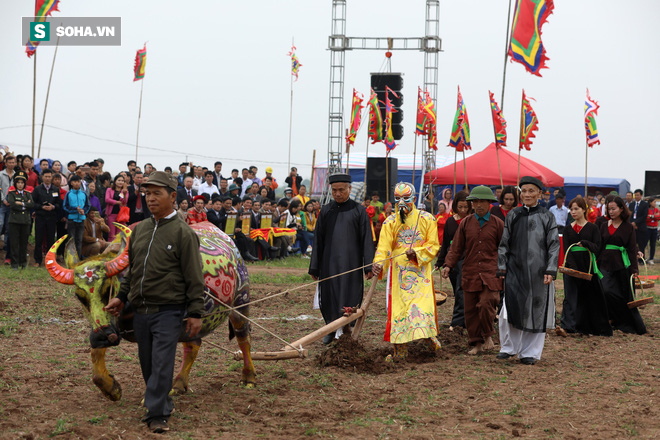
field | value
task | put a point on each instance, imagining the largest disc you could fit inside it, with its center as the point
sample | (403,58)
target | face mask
(404,196)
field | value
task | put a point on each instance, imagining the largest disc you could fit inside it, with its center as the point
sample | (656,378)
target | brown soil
(584,387)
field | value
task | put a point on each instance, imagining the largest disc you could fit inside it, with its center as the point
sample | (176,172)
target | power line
(178,153)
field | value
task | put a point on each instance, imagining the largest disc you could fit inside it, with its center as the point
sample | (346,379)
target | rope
(299,350)
(303,285)
(219,346)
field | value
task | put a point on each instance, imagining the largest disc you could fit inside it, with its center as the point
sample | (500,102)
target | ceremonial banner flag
(529,123)
(421,114)
(295,63)
(140,63)
(525,45)
(389,109)
(431,125)
(460,132)
(375,119)
(356,117)
(590,111)
(499,124)
(42,9)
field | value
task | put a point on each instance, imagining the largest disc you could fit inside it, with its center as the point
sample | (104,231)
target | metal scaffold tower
(338,43)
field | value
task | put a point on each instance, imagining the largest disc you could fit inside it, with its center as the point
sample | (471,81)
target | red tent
(482,170)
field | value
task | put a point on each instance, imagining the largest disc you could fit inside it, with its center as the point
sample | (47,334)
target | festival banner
(525,46)
(528,123)
(42,9)
(499,124)
(356,117)
(460,132)
(375,119)
(295,62)
(590,112)
(389,109)
(140,63)
(431,123)
(421,124)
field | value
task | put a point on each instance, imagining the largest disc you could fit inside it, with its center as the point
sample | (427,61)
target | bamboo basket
(646,283)
(638,302)
(576,273)
(440,297)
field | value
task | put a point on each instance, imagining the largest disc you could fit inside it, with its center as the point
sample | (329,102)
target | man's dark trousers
(157,335)
(44,226)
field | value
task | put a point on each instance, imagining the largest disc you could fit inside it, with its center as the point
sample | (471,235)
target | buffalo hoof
(111,391)
(179,387)
(248,385)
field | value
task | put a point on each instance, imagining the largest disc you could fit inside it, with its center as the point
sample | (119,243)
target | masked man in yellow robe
(411,236)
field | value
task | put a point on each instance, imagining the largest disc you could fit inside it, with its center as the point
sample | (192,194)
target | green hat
(161,178)
(482,192)
(232,187)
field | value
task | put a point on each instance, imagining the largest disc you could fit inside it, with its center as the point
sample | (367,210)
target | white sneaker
(288,248)
(309,250)
(650,262)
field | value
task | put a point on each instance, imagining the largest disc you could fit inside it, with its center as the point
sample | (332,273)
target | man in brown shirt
(478,236)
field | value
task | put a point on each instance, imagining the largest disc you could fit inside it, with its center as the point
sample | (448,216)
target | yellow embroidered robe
(411,299)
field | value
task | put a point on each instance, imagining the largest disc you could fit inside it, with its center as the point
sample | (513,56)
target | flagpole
(455,154)
(387,176)
(34,98)
(586,156)
(43,120)
(311,184)
(288,166)
(465,170)
(522,122)
(366,162)
(415,159)
(348,152)
(139,116)
(499,166)
(506,54)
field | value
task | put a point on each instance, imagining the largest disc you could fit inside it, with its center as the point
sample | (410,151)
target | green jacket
(165,267)
(20,214)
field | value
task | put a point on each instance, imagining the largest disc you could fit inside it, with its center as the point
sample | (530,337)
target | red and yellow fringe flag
(375,119)
(140,63)
(529,123)
(499,124)
(356,117)
(42,9)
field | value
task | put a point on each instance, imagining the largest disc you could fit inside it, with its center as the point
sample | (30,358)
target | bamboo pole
(387,176)
(465,171)
(506,54)
(137,138)
(366,163)
(348,152)
(311,184)
(272,355)
(586,158)
(355,334)
(415,160)
(34,98)
(455,154)
(499,166)
(288,166)
(50,79)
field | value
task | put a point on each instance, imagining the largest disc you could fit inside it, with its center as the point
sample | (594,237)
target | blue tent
(575,185)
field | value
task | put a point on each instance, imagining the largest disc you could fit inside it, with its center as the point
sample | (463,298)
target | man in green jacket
(164,281)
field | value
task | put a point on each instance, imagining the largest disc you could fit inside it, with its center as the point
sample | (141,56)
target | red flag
(421,126)
(356,117)
(499,124)
(529,123)
(42,9)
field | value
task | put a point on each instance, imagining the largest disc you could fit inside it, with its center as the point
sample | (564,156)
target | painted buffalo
(96,280)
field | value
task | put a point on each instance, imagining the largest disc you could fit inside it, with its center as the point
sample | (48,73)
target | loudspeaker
(380,172)
(652,183)
(395,82)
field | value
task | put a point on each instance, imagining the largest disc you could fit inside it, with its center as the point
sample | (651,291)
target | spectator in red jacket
(652,229)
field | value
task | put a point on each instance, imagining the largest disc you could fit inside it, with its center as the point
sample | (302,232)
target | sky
(217,83)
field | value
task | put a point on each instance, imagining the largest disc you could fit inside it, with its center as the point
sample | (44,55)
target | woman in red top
(508,201)
(617,262)
(652,229)
(441,218)
(115,197)
(584,310)
(593,212)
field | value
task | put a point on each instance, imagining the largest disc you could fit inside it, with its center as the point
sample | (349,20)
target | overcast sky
(217,81)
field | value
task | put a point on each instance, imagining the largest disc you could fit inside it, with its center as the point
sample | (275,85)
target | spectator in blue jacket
(76,205)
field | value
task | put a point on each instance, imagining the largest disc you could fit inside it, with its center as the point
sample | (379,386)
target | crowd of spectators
(85,201)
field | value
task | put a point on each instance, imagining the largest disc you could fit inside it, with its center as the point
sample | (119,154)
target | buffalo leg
(190,350)
(102,378)
(242,331)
